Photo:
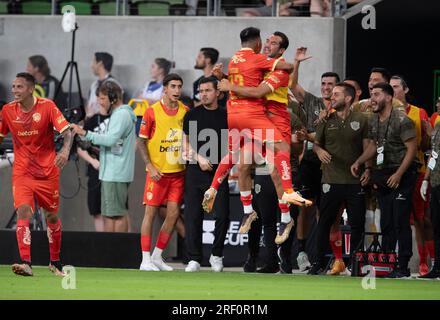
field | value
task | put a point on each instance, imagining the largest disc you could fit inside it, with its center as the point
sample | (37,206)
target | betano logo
(27,133)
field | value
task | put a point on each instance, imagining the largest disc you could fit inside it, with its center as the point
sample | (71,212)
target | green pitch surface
(94,283)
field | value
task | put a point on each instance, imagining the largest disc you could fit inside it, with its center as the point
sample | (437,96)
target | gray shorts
(114,198)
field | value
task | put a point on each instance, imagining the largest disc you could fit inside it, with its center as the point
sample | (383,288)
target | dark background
(406,41)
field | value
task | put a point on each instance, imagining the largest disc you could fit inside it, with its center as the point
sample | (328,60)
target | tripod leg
(12,221)
(61,81)
(81,100)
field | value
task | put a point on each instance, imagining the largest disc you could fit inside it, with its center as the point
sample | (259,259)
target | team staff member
(160,145)
(432,178)
(36,171)
(117,151)
(422,223)
(199,174)
(394,147)
(338,143)
(310,167)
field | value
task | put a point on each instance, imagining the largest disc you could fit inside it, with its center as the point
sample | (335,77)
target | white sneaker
(216,263)
(303,261)
(193,266)
(148,266)
(160,264)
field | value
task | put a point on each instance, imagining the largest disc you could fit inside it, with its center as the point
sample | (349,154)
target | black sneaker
(250,265)
(316,269)
(285,263)
(399,274)
(433,274)
(269,269)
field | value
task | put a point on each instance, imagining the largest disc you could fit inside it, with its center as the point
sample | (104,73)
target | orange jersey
(278,82)
(435,119)
(417,115)
(33,136)
(246,69)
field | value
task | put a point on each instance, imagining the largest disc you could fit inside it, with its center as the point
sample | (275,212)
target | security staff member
(338,143)
(200,171)
(394,148)
(432,176)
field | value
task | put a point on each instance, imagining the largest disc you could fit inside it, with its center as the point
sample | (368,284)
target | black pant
(333,196)
(266,205)
(435,219)
(196,183)
(395,209)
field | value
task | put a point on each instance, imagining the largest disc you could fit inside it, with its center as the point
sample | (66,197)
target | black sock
(302,245)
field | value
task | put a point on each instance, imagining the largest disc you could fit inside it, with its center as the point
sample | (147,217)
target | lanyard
(386,131)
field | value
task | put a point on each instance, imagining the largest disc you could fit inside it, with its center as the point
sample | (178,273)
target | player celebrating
(31,122)
(246,68)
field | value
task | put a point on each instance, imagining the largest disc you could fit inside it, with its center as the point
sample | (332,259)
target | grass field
(94,283)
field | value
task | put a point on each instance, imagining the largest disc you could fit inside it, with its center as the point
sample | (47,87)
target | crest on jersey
(36,117)
(257,188)
(325,187)
(355,125)
(149,196)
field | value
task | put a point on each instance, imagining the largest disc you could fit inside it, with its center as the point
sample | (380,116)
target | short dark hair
(171,77)
(249,34)
(26,76)
(106,59)
(284,40)
(349,90)
(357,85)
(402,80)
(210,53)
(164,64)
(384,72)
(386,87)
(331,74)
(110,87)
(210,79)
(40,62)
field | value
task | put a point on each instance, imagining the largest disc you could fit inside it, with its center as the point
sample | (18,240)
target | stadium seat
(153,8)
(36,7)
(4,7)
(81,7)
(107,8)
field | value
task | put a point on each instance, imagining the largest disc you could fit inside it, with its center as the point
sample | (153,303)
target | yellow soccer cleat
(338,268)
(208,200)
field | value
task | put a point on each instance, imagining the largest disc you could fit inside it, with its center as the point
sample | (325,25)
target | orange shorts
(280,117)
(419,206)
(245,129)
(26,190)
(168,188)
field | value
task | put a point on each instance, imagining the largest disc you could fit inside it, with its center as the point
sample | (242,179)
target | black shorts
(309,180)
(94,192)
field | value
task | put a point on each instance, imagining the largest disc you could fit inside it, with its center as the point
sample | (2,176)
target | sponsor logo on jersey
(27,133)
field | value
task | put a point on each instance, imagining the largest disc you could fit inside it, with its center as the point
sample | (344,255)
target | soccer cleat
(22,269)
(208,200)
(284,231)
(338,268)
(275,268)
(216,263)
(246,222)
(433,274)
(160,264)
(250,265)
(303,261)
(296,199)
(423,269)
(56,268)
(316,269)
(148,266)
(399,274)
(193,266)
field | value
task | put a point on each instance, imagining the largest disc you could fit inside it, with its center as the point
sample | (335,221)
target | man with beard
(205,61)
(394,146)
(338,143)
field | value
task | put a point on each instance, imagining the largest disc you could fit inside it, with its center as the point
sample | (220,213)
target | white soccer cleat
(303,261)
(216,263)
(193,266)
(160,264)
(296,199)
(148,266)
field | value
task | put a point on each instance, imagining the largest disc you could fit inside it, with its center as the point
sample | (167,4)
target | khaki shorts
(114,198)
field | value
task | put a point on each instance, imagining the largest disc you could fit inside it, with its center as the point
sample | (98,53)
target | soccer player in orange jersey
(422,221)
(274,89)
(36,171)
(248,117)
(160,144)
